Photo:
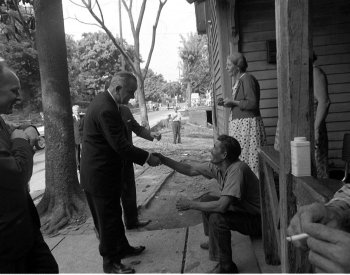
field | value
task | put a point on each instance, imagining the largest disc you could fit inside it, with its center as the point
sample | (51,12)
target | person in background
(237,207)
(78,133)
(176,125)
(104,151)
(246,124)
(128,198)
(329,233)
(321,107)
(22,247)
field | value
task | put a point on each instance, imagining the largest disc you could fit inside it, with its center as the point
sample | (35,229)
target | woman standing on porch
(246,124)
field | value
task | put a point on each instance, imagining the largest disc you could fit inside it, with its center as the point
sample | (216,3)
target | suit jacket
(105,147)
(78,129)
(18,216)
(132,125)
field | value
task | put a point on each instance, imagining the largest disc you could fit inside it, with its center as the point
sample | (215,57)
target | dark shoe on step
(117,268)
(137,224)
(229,268)
(205,245)
(132,251)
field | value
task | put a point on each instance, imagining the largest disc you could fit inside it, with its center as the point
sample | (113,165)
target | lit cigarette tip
(297,237)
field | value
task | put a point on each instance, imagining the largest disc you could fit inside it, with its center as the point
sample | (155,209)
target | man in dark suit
(77,126)
(22,247)
(105,148)
(129,201)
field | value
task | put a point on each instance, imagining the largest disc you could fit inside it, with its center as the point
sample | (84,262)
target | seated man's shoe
(205,245)
(137,224)
(132,251)
(117,268)
(225,268)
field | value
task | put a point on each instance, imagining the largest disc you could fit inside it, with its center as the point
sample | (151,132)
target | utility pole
(121,34)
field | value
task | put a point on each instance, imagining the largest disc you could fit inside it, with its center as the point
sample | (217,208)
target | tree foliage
(17,21)
(92,60)
(157,88)
(17,28)
(154,86)
(195,62)
(23,59)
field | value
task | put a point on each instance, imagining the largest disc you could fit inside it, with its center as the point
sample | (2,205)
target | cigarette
(297,237)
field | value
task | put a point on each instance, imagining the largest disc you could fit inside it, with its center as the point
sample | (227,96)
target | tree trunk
(63,201)
(188,93)
(142,103)
(141,97)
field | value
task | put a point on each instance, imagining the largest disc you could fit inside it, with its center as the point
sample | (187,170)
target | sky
(177,17)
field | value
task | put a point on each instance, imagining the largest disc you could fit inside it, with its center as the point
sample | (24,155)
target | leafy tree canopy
(194,62)
(157,88)
(92,61)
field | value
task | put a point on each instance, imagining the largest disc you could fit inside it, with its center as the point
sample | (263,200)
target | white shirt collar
(113,98)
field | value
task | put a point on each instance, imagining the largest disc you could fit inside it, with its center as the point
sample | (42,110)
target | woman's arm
(321,95)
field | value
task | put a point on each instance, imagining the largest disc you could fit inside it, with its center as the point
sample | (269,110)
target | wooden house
(249,26)
(278,38)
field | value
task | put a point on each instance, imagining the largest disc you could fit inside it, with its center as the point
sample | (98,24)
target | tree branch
(99,8)
(81,6)
(160,7)
(110,35)
(82,22)
(142,12)
(23,22)
(131,19)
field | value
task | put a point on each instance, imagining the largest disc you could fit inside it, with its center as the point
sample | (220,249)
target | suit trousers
(77,155)
(219,225)
(39,259)
(176,131)
(128,198)
(107,215)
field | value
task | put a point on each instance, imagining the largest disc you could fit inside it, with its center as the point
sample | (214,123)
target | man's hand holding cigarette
(314,227)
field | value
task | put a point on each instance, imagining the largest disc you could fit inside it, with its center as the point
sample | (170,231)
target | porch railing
(306,190)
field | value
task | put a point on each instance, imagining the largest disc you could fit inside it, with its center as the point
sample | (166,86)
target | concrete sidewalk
(167,251)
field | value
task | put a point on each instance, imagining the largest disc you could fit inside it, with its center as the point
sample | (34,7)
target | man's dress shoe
(138,223)
(132,251)
(219,269)
(117,268)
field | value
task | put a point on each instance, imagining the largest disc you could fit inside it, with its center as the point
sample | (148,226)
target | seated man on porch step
(329,232)
(238,206)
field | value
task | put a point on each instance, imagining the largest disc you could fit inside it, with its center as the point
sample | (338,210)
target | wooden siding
(331,39)
(217,47)
(257,24)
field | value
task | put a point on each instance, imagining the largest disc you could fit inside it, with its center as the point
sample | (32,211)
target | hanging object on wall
(271,51)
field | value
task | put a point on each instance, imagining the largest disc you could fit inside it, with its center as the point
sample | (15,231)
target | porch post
(222,9)
(295,101)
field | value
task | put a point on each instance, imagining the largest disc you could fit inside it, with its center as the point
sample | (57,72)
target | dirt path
(196,144)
